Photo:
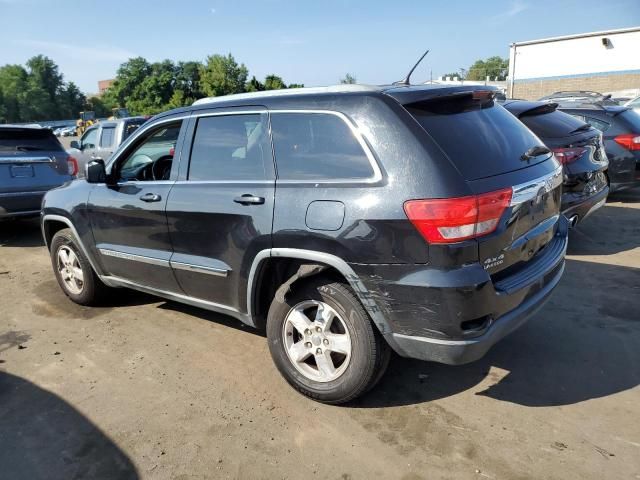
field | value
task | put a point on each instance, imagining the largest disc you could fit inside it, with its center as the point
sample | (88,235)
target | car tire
(341,357)
(75,275)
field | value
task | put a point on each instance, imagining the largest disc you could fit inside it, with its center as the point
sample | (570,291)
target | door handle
(248,199)
(150,197)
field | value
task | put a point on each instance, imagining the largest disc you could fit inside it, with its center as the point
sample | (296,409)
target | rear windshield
(28,140)
(131,127)
(481,140)
(633,120)
(553,125)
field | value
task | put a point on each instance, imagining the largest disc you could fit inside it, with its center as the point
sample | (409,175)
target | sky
(311,42)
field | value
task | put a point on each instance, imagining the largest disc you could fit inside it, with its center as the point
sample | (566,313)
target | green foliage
(492,67)
(348,79)
(221,75)
(37,91)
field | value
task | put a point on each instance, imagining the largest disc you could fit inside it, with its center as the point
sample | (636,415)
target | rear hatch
(493,151)
(31,160)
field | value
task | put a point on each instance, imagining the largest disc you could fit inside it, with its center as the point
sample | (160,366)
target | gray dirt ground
(153,389)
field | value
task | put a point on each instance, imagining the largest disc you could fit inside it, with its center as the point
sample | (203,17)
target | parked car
(68,132)
(102,139)
(582,96)
(347,220)
(32,161)
(620,127)
(577,146)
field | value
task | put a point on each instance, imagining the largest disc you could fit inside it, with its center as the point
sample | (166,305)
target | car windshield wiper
(534,152)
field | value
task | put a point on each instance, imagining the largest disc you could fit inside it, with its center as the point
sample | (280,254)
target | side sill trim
(199,269)
(113,281)
(136,258)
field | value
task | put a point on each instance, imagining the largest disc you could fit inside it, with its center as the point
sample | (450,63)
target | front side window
(89,139)
(151,156)
(107,137)
(317,146)
(231,147)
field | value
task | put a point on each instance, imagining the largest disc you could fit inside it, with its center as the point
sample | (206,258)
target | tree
(188,80)
(274,82)
(221,75)
(71,101)
(492,67)
(13,82)
(254,85)
(348,79)
(296,85)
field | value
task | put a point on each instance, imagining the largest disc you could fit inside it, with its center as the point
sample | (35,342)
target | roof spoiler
(412,95)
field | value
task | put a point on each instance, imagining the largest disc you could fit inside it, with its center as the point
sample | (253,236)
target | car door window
(107,137)
(317,146)
(151,156)
(230,147)
(89,139)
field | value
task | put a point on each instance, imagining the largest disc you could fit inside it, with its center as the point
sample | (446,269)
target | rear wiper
(586,126)
(534,152)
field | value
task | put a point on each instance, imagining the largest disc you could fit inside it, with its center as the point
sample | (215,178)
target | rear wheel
(74,272)
(323,342)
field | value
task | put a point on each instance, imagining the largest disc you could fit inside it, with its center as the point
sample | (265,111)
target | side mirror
(95,171)
(75,144)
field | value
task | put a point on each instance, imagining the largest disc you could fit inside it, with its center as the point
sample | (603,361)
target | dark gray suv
(348,221)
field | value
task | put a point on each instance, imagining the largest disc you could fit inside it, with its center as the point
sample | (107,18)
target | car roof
(25,127)
(611,109)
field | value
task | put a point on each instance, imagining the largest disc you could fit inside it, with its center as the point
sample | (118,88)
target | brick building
(103,85)
(599,61)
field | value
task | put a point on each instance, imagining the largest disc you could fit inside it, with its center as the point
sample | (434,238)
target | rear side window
(107,136)
(131,127)
(552,125)
(481,140)
(317,146)
(28,140)
(231,147)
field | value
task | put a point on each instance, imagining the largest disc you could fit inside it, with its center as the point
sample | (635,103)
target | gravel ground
(153,389)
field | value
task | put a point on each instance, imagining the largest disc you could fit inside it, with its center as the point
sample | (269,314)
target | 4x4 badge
(493,261)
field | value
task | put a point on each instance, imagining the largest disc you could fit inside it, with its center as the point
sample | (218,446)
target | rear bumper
(454,316)
(20,204)
(457,352)
(581,205)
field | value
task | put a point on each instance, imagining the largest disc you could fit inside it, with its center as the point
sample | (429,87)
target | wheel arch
(295,259)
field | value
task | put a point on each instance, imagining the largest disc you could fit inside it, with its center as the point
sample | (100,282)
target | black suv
(578,147)
(347,220)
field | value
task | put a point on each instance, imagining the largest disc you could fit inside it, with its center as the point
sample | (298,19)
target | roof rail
(346,88)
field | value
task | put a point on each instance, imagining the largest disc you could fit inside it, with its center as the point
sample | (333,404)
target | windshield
(27,140)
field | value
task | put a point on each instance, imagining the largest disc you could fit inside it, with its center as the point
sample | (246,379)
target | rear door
(106,142)
(128,214)
(88,144)
(220,211)
(493,150)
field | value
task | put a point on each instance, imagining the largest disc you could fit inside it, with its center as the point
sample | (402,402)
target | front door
(221,208)
(128,213)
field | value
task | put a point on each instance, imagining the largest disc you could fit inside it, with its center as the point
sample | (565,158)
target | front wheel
(323,342)
(74,272)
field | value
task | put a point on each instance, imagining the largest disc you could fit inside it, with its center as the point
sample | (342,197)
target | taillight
(568,155)
(72,165)
(630,141)
(448,220)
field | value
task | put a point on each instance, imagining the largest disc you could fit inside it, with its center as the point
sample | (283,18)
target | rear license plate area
(22,171)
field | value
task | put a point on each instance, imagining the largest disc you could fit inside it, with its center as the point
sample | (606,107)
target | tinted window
(131,127)
(152,155)
(28,140)
(230,147)
(480,139)
(107,136)
(317,146)
(552,125)
(89,138)
(595,123)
